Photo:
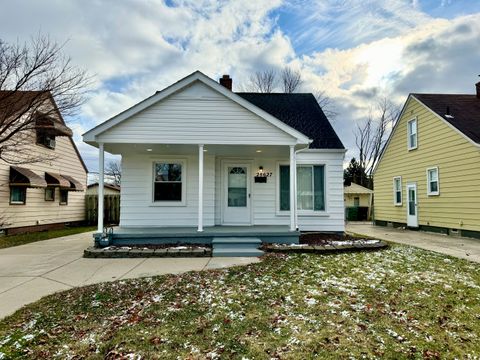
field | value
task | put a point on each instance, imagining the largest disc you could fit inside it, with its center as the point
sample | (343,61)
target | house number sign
(263,174)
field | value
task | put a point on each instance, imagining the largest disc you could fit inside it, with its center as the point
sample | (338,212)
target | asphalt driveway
(460,247)
(31,271)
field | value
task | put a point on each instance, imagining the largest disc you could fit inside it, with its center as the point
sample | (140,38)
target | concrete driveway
(463,248)
(31,271)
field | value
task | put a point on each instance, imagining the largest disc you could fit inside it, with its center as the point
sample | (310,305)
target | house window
(50,194)
(397,191)
(18,195)
(63,197)
(45,139)
(412,134)
(356,201)
(310,187)
(168,182)
(433,187)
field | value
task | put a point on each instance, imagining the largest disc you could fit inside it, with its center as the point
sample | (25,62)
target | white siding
(137,183)
(334,213)
(196,114)
(37,211)
(136,208)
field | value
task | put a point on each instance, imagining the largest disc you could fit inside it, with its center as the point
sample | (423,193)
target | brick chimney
(226,81)
(477,85)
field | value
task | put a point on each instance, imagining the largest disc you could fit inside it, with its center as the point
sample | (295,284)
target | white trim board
(90,136)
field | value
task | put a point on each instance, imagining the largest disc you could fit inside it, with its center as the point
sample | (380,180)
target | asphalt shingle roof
(301,112)
(464,111)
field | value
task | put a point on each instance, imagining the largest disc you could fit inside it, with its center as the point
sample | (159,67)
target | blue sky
(354,51)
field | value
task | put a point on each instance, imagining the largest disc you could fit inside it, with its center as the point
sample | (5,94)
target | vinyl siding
(37,211)
(136,207)
(196,114)
(458,160)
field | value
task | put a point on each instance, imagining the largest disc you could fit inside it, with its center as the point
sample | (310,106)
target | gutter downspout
(295,186)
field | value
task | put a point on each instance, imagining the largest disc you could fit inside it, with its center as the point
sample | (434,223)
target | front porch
(145,236)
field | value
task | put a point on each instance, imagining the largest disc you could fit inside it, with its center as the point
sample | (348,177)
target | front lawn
(397,303)
(21,239)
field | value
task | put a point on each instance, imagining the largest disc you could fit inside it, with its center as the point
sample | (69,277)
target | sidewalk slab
(27,293)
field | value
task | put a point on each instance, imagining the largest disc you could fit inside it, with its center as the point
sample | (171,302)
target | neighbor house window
(63,197)
(310,187)
(50,194)
(432,181)
(168,182)
(412,134)
(18,195)
(397,190)
(356,201)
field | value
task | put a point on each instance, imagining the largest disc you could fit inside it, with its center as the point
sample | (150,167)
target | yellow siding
(364,199)
(458,160)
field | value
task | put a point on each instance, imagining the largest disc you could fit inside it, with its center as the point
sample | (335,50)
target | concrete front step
(233,246)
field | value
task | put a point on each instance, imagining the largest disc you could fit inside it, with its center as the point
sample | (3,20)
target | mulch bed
(314,238)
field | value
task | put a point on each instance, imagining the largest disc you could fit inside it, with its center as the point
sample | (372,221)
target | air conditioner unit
(51,143)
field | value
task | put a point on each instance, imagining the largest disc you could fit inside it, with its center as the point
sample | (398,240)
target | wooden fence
(111,206)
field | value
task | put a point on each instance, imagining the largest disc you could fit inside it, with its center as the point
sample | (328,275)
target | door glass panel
(237,186)
(411,201)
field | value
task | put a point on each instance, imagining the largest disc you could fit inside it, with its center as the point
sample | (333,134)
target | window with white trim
(412,134)
(433,186)
(168,182)
(310,187)
(397,191)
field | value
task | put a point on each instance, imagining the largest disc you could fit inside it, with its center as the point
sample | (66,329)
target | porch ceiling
(185,149)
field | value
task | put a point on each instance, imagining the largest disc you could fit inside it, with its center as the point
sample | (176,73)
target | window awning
(56,180)
(24,177)
(52,126)
(75,185)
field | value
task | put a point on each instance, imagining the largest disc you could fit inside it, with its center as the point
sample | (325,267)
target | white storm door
(412,205)
(236,204)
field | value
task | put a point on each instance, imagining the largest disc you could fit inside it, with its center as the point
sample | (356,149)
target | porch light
(149,149)
(260,169)
(258,151)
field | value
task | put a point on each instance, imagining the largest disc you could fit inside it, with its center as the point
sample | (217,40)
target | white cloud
(352,50)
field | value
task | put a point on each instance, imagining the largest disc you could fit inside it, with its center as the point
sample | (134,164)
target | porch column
(293,192)
(200,188)
(100,186)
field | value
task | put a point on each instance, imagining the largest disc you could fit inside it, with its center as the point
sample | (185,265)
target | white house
(198,156)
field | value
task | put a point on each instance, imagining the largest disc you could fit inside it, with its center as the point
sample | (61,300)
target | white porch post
(293,191)
(200,187)
(100,186)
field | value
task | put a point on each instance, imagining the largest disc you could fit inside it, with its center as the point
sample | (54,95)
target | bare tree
(372,134)
(326,104)
(263,81)
(114,171)
(32,74)
(291,80)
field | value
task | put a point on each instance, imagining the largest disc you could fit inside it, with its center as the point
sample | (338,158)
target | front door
(236,204)
(412,205)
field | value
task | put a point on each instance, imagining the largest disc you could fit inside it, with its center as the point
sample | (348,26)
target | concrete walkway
(463,248)
(31,271)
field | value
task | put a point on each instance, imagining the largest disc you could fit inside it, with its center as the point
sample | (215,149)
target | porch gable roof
(91,135)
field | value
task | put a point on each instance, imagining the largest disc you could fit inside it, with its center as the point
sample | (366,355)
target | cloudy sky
(355,51)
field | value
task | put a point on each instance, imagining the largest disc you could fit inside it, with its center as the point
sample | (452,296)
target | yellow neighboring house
(429,174)
(359,198)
